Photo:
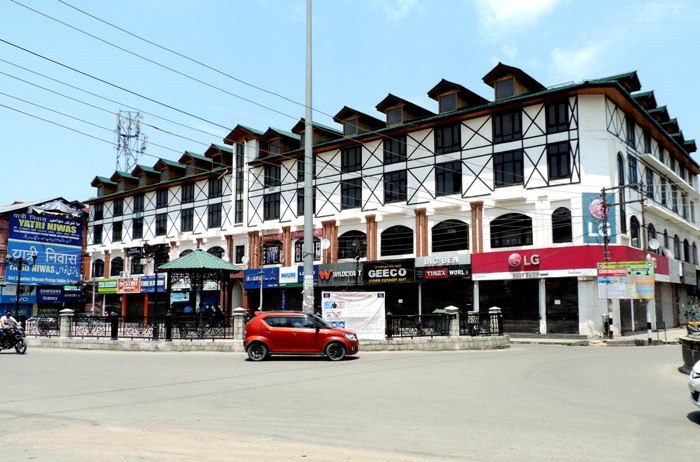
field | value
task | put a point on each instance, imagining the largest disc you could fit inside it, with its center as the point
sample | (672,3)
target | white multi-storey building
(480,204)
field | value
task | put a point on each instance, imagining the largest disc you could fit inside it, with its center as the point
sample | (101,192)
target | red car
(297,333)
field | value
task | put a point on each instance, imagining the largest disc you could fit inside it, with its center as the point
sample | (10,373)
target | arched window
(561,225)
(98,268)
(621,182)
(186,252)
(511,230)
(676,247)
(351,243)
(272,252)
(116,266)
(651,234)
(450,235)
(216,251)
(299,250)
(667,245)
(397,240)
(695,254)
(634,232)
(686,250)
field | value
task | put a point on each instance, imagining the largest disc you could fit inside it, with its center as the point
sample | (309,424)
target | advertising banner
(289,275)
(73,294)
(56,242)
(594,224)
(361,312)
(626,280)
(9,295)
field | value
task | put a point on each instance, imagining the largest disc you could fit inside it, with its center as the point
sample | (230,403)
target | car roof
(286,313)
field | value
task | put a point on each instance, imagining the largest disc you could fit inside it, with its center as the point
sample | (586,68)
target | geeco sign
(388,271)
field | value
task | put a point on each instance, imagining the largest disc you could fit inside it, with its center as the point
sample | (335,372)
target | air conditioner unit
(124,274)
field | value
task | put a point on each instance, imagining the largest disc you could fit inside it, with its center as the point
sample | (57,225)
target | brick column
(477,237)
(421,232)
(229,247)
(330,232)
(254,256)
(108,264)
(371,237)
(174,250)
(287,246)
(200,243)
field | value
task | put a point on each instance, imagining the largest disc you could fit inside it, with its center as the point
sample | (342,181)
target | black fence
(417,325)
(474,324)
(135,327)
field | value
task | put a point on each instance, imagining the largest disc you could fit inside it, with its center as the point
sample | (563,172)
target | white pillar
(543,306)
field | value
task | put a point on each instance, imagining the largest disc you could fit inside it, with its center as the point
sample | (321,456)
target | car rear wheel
(258,351)
(335,351)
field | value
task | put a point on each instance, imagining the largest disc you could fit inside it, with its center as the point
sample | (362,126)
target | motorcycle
(14,338)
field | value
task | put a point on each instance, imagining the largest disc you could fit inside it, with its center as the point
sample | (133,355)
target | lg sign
(515,260)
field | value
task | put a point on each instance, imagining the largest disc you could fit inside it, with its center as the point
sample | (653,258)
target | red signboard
(128,285)
(558,258)
(436,273)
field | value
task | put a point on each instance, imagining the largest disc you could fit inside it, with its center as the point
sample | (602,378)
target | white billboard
(361,312)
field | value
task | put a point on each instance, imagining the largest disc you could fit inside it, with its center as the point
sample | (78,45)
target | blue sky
(362,50)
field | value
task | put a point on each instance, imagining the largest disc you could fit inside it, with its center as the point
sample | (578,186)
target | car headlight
(351,337)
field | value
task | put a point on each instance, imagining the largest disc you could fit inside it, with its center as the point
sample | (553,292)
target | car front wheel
(335,351)
(258,351)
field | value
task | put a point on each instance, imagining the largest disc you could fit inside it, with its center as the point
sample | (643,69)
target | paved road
(527,403)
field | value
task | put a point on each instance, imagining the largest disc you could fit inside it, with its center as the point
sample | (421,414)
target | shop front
(270,297)
(444,281)
(396,278)
(555,290)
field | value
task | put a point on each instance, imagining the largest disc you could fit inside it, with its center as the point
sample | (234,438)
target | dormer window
(190,169)
(274,147)
(505,88)
(164,175)
(448,102)
(142,180)
(350,127)
(394,116)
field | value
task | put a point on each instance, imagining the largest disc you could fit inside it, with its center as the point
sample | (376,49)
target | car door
(279,334)
(305,335)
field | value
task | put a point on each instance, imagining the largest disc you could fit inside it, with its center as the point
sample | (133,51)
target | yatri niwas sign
(56,242)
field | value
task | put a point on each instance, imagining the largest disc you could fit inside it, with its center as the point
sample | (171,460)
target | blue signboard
(56,242)
(251,278)
(72,294)
(49,294)
(300,273)
(27,295)
(148,283)
(594,223)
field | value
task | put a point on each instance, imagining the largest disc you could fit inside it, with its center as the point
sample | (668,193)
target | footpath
(669,336)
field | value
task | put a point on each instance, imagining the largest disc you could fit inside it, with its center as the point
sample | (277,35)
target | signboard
(594,224)
(626,280)
(388,272)
(49,294)
(56,242)
(339,274)
(289,275)
(361,312)
(73,294)
(251,278)
(107,286)
(148,283)
(179,297)
(27,295)
(130,285)
(448,260)
(444,272)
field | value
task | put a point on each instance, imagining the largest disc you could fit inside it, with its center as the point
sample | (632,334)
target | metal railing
(417,325)
(134,327)
(474,324)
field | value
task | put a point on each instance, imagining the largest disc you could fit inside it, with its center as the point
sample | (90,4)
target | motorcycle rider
(7,322)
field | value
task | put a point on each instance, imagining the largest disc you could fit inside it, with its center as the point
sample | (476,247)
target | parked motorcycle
(14,338)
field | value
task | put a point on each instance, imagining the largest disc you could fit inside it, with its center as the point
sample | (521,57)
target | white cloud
(509,50)
(499,16)
(396,9)
(652,12)
(575,63)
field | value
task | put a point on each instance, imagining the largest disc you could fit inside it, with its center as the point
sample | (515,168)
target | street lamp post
(358,250)
(20,264)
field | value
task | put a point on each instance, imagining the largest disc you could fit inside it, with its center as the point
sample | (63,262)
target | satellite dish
(325,243)
(244,260)
(653,244)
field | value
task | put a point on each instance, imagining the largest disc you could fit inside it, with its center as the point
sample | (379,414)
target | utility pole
(606,256)
(308,304)
(262,272)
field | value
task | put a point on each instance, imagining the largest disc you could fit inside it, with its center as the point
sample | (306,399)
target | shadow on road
(303,358)
(694,417)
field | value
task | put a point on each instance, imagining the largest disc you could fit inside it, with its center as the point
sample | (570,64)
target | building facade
(510,202)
